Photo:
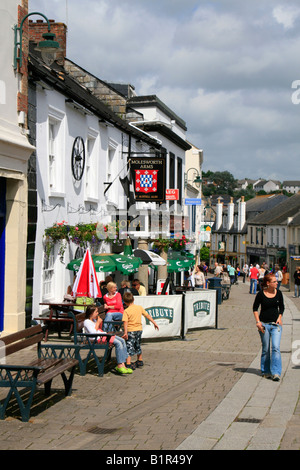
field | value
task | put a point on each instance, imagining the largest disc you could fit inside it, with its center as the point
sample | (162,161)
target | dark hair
(89,310)
(128,298)
(267,278)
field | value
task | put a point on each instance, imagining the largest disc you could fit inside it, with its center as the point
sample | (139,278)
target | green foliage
(204,253)
(220,182)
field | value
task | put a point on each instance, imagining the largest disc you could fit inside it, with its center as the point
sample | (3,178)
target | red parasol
(86,283)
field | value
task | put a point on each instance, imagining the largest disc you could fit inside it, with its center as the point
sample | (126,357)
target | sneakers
(139,363)
(276,377)
(123,370)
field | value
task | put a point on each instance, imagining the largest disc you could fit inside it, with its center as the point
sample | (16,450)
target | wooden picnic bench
(41,371)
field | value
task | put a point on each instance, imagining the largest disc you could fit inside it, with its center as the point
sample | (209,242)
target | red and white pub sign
(172,194)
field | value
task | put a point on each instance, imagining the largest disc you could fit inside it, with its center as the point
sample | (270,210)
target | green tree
(204,253)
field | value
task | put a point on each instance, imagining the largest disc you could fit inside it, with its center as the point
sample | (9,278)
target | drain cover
(247,420)
(97,430)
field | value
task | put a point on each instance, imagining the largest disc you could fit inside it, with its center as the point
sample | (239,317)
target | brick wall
(39,27)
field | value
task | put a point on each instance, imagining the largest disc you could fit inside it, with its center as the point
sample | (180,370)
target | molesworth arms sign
(149,178)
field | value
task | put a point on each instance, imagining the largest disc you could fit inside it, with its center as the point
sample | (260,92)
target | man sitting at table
(137,285)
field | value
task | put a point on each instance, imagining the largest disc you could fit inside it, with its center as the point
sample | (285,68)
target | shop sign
(149,178)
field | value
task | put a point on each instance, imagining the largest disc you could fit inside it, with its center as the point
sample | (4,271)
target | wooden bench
(87,346)
(39,372)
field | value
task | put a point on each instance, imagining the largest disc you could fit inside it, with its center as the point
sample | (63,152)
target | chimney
(219,214)
(242,214)
(230,216)
(39,27)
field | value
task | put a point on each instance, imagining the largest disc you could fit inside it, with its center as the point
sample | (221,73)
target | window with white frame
(112,170)
(91,186)
(48,275)
(55,153)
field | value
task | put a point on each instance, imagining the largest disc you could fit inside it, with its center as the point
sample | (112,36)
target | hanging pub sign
(149,178)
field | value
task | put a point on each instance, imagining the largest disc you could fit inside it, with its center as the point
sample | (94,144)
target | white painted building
(67,114)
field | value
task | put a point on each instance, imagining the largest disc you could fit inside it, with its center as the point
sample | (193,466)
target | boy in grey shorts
(132,319)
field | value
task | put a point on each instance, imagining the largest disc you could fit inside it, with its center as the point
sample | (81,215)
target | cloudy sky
(229,68)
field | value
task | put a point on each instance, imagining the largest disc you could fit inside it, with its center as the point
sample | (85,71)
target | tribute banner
(200,308)
(165,310)
(149,178)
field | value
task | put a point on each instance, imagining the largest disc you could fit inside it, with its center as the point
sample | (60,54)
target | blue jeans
(253,284)
(109,317)
(297,288)
(121,349)
(270,355)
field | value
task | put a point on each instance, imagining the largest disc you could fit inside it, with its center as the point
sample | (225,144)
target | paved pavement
(204,392)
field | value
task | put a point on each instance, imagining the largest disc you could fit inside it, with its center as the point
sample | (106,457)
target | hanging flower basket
(176,244)
(80,234)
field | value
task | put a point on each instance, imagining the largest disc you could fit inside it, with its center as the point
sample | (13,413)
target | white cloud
(286,15)
(226,68)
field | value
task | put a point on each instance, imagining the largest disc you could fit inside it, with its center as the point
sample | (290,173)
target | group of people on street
(231,271)
(257,272)
(120,306)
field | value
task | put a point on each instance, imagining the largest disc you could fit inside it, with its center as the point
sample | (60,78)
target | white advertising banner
(200,308)
(166,310)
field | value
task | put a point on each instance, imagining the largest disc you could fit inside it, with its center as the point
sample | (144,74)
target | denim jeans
(109,317)
(297,290)
(270,355)
(121,349)
(253,284)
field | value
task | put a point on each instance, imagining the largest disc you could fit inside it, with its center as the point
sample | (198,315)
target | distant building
(291,186)
(266,185)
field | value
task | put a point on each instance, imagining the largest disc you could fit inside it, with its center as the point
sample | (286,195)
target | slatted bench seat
(86,346)
(41,371)
(93,343)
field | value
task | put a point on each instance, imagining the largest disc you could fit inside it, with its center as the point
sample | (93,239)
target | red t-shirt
(115,304)
(254,273)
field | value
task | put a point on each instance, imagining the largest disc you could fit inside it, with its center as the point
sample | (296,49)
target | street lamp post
(48,46)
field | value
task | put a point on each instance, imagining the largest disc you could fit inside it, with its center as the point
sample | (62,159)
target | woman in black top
(269,324)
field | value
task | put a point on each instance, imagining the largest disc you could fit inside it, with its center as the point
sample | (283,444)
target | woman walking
(269,325)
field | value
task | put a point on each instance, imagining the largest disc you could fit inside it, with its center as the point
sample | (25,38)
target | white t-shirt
(89,327)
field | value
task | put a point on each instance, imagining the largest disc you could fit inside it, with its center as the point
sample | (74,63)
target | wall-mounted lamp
(48,47)
(197,180)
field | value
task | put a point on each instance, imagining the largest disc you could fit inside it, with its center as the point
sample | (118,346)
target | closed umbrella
(127,247)
(86,283)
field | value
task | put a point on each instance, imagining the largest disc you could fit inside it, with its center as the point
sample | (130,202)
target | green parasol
(105,263)
(179,261)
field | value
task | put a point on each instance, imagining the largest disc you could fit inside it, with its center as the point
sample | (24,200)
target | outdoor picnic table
(58,314)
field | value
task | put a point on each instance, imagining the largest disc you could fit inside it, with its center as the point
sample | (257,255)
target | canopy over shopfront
(105,263)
